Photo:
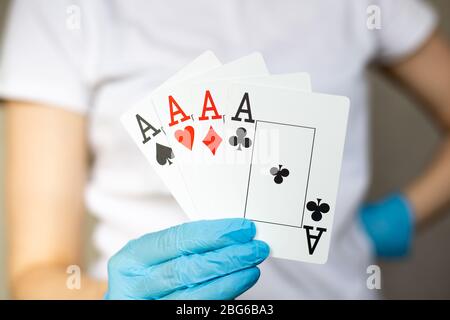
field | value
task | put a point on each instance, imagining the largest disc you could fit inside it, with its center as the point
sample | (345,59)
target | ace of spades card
(287,178)
(143,125)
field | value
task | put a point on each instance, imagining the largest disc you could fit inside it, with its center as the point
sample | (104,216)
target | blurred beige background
(396,120)
(3,287)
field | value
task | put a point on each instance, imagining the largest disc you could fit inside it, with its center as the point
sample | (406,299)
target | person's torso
(141,43)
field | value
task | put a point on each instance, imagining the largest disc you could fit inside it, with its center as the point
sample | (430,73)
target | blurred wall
(402,139)
(3,289)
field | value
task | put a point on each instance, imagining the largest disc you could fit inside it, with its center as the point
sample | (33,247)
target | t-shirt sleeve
(405,26)
(43,56)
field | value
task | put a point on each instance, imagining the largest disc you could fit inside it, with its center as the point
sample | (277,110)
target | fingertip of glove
(238,230)
(253,274)
(262,249)
(241,223)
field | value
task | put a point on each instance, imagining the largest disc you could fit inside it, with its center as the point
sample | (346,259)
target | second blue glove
(390,225)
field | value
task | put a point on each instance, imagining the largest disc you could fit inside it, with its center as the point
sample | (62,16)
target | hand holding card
(237,142)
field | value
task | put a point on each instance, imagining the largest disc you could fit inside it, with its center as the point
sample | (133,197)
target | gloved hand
(213,259)
(390,225)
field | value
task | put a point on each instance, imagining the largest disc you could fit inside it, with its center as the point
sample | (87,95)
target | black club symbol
(240,139)
(317,209)
(279,173)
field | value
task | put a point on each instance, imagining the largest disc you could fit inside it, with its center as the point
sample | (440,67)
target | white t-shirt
(123,49)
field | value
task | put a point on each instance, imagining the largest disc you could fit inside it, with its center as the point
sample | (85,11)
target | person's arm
(46,164)
(426,75)
(391,222)
(46,171)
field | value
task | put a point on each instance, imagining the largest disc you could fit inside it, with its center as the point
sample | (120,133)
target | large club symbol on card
(279,173)
(317,209)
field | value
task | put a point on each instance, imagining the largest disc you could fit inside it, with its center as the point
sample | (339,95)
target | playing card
(143,125)
(290,144)
(283,175)
(215,172)
(205,168)
(234,141)
(295,81)
(192,116)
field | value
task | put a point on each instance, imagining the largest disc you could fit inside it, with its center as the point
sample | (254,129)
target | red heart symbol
(185,137)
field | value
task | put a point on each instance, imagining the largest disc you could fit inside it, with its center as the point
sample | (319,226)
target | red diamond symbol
(212,140)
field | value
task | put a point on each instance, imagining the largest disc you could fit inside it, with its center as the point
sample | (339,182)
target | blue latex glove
(214,259)
(390,225)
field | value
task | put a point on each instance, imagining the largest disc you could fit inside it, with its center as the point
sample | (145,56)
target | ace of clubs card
(289,184)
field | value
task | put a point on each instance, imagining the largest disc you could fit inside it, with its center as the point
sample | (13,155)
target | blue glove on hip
(390,225)
(213,259)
